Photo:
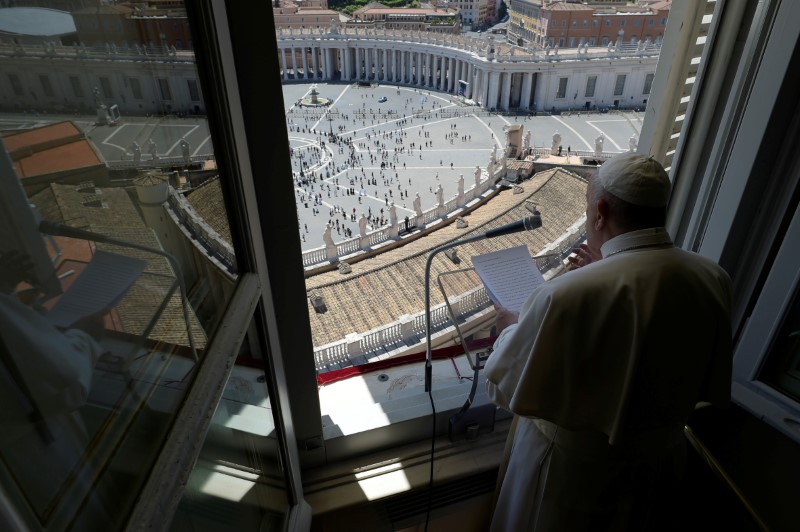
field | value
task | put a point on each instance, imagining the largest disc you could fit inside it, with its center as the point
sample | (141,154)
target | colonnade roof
(381,288)
(387,285)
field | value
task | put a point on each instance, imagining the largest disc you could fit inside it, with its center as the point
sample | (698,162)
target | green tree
(502,11)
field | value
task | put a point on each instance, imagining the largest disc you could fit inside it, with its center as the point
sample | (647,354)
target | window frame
(262,279)
(712,236)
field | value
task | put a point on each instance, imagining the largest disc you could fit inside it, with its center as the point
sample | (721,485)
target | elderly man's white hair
(635,178)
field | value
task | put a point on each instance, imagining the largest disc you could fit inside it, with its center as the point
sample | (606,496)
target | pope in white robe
(605,364)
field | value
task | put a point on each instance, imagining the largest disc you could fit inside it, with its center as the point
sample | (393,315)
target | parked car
(382,99)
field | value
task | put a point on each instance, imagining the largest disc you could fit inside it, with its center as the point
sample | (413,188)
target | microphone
(526,224)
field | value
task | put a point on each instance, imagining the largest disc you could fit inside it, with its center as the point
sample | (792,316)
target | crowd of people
(359,155)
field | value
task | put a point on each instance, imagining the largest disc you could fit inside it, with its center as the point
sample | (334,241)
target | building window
(585,23)
(47,86)
(16,86)
(163,87)
(608,22)
(592,41)
(651,22)
(622,22)
(572,42)
(591,82)
(194,93)
(105,85)
(595,23)
(619,86)
(77,88)
(562,88)
(561,42)
(604,41)
(136,88)
(648,83)
(574,23)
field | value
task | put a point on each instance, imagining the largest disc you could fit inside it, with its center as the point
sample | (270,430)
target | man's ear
(601,214)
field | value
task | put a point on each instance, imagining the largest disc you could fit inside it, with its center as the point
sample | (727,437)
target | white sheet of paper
(510,276)
(100,286)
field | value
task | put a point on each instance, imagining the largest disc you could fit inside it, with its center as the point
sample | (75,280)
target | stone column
(314,65)
(505,94)
(294,63)
(527,85)
(284,65)
(305,63)
(442,73)
(492,88)
(470,80)
(353,345)
(479,82)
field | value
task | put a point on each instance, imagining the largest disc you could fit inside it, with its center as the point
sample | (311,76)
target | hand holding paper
(510,276)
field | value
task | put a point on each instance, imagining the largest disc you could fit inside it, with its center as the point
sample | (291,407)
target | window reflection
(782,369)
(238,482)
(102,130)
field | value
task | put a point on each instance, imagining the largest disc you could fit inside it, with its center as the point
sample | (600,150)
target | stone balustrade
(409,331)
(318,256)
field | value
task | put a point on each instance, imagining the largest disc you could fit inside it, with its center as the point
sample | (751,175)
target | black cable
(433,447)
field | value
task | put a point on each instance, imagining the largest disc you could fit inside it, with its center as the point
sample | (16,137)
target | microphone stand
(527,224)
(531,222)
(436,251)
(57,229)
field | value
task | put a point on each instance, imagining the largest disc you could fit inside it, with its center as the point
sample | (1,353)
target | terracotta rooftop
(50,149)
(41,135)
(78,154)
(567,6)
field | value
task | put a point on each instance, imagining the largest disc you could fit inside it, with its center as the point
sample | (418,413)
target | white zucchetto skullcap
(635,178)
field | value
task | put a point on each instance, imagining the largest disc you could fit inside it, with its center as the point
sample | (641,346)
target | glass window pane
(562,88)
(238,482)
(782,369)
(619,85)
(648,83)
(101,329)
(591,82)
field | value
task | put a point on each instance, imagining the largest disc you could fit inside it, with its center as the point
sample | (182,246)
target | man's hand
(503,318)
(583,256)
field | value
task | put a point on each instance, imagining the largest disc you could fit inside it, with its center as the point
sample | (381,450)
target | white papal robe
(603,369)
